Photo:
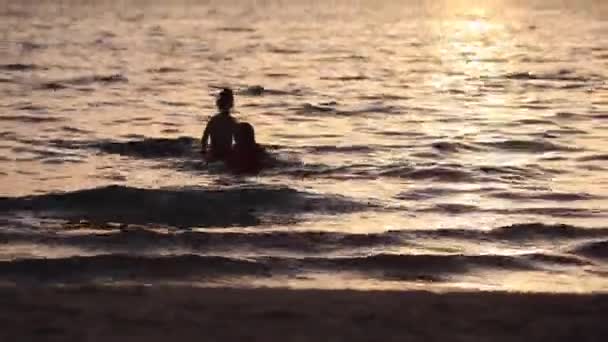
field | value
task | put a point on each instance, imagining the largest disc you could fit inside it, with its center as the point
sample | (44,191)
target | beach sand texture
(219,314)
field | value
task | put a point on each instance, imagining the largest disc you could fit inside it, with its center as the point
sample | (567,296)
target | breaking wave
(184,207)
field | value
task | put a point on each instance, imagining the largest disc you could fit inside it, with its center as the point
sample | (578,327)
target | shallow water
(427,144)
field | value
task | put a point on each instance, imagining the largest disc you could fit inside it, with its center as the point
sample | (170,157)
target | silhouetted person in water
(247,156)
(220,128)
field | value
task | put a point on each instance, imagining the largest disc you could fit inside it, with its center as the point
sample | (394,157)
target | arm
(205,137)
(234,128)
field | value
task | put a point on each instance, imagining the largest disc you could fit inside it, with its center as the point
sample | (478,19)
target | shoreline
(161,313)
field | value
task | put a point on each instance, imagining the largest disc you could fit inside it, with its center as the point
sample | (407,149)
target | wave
(31,107)
(593,249)
(186,207)
(569,116)
(85,80)
(556,259)
(133,237)
(150,147)
(416,266)
(448,146)
(308,108)
(53,86)
(440,173)
(178,147)
(297,169)
(594,157)
(562,75)
(520,122)
(341,149)
(600,116)
(117,267)
(30,118)
(326,108)
(283,51)
(136,253)
(165,70)
(563,131)
(142,239)
(258,90)
(517,172)
(436,192)
(554,212)
(545,196)
(125,267)
(452,208)
(452,172)
(515,233)
(537,211)
(181,147)
(534,146)
(383,97)
(19,67)
(113,78)
(183,154)
(448,173)
(378,108)
(530,231)
(235,29)
(344,78)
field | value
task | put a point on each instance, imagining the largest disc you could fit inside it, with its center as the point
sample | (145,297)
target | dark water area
(414,144)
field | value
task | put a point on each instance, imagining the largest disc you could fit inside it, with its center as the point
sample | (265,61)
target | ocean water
(418,144)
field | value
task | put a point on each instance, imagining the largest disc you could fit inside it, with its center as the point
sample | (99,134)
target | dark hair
(245,134)
(225,99)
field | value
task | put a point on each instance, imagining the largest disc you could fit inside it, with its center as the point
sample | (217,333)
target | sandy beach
(220,314)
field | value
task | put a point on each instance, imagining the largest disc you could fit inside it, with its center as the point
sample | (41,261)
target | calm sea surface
(418,144)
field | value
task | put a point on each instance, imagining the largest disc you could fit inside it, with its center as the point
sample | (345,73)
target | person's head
(245,135)
(225,100)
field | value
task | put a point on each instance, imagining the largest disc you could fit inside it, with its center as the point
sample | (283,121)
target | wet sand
(196,314)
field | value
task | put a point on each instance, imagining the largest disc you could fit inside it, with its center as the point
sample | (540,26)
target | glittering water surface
(418,143)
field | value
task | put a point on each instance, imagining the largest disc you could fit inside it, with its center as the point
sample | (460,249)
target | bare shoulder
(212,119)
